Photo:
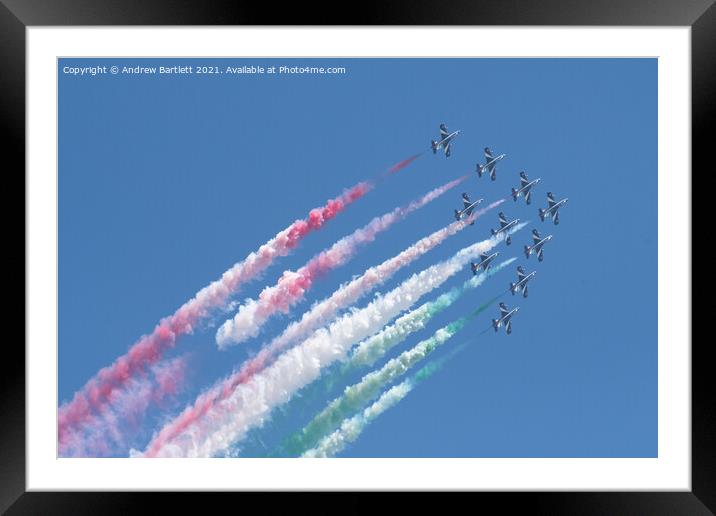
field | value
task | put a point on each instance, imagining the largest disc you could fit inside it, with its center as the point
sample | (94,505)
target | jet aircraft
(505,318)
(536,247)
(444,142)
(484,262)
(525,188)
(522,279)
(468,206)
(505,227)
(490,164)
(551,210)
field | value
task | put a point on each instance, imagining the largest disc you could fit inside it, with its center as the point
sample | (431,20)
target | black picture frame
(17,15)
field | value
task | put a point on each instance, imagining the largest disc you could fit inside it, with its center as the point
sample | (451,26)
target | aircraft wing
(443,131)
(523,179)
(540,254)
(503,310)
(508,327)
(536,238)
(550,199)
(466,200)
(488,154)
(503,220)
(520,273)
(447,150)
(528,196)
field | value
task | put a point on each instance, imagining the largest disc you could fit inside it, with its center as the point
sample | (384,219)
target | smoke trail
(320,314)
(376,347)
(105,433)
(350,429)
(292,286)
(358,395)
(150,348)
(324,311)
(402,164)
(250,403)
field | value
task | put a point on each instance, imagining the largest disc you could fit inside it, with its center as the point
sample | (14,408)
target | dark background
(15,15)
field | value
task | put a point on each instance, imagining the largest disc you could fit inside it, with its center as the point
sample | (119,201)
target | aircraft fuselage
(552,210)
(538,245)
(494,160)
(527,187)
(520,284)
(507,227)
(467,208)
(484,264)
(506,318)
(447,139)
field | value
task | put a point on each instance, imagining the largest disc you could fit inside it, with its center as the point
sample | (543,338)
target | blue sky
(167,181)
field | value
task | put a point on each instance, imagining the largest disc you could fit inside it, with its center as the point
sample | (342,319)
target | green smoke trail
(434,366)
(371,350)
(374,348)
(350,429)
(358,395)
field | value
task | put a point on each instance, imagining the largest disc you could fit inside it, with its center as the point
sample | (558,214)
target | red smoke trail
(292,286)
(104,433)
(205,402)
(150,348)
(402,164)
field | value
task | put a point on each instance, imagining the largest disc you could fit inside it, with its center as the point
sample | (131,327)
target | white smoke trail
(251,403)
(324,311)
(292,286)
(151,348)
(356,396)
(319,315)
(375,347)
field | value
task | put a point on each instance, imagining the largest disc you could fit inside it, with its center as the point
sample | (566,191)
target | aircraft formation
(524,190)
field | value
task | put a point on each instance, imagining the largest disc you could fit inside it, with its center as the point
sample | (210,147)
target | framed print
(405,252)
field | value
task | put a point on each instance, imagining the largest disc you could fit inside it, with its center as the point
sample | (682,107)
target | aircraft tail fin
(541,214)
(508,241)
(479,170)
(493,232)
(512,288)
(527,251)
(457,215)
(434,146)
(474,267)
(514,194)
(495,324)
